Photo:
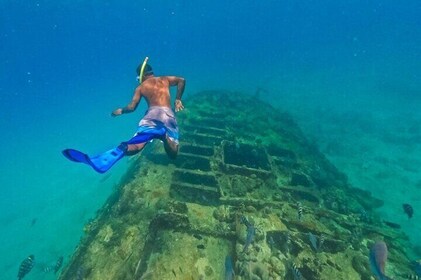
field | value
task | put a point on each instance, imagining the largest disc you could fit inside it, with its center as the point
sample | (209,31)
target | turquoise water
(349,73)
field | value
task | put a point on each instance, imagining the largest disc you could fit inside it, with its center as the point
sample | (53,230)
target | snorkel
(142,70)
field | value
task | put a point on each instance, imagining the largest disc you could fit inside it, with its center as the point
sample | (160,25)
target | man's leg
(133,149)
(171,147)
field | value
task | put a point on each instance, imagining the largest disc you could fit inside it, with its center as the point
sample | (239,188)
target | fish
(251,232)
(364,216)
(300,211)
(229,268)
(58,265)
(417,267)
(321,241)
(378,259)
(413,277)
(80,274)
(25,266)
(407,208)
(271,243)
(297,274)
(33,222)
(392,225)
(287,242)
(313,241)
(244,221)
(197,236)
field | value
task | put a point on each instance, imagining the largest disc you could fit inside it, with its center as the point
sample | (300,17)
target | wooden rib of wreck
(238,157)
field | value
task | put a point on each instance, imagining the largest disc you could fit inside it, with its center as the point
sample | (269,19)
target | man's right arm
(131,107)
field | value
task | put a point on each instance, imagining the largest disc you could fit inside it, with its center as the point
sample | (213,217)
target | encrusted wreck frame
(239,157)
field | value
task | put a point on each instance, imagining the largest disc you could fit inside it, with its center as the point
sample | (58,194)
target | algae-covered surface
(245,174)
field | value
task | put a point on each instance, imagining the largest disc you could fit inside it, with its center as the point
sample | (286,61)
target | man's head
(146,72)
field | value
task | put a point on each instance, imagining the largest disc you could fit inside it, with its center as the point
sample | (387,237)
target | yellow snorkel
(142,70)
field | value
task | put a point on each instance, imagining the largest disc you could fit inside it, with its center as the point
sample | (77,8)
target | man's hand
(117,112)
(178,105)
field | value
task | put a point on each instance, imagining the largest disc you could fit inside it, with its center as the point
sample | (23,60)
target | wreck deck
(180,219)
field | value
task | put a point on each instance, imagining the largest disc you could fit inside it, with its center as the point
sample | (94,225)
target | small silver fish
(321,241)
(296,272)
(407,208)
(58,265)
(313,241)
(271,243)
(300,211)
(287,242)
(26,266)
(48,269)
(80,274)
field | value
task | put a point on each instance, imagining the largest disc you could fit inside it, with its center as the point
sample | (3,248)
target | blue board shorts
(159,116)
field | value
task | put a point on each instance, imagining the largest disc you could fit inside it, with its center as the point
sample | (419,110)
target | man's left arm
(131,107)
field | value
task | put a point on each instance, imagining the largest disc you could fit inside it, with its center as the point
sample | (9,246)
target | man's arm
(180,83)
(131,107)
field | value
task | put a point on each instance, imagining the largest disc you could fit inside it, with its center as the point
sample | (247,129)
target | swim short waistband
(163,108)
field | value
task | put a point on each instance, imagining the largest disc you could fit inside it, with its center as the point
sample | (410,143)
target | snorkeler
(158,122)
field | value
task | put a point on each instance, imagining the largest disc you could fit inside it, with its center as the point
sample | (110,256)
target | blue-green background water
(349,71)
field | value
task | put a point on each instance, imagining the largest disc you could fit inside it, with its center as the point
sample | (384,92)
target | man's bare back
(156,91)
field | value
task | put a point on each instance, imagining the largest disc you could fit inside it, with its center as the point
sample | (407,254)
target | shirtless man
(158,123)
(156,91)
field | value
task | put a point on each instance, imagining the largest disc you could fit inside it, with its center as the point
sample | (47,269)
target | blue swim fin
(100,163)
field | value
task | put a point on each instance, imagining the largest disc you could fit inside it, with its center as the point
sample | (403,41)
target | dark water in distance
(349,71)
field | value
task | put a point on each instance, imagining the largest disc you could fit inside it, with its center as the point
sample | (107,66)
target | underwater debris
(26,266)
(360,265)
(146,275)
(254,270)
(223,214)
